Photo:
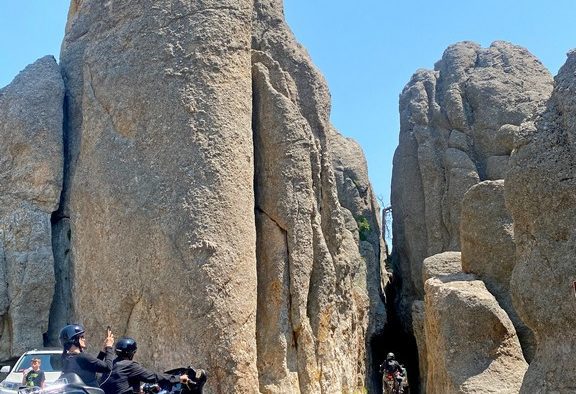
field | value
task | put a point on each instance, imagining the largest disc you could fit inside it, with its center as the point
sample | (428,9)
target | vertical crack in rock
(61,310)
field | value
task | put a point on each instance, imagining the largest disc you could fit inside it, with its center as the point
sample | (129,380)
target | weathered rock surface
(466,342)
(472,346)
(541,196)
(418,323)
(496,167)
(454,121)
(31,165)
(488,249)
(356,196)
(359,205)
(160,180)
(288,162)
(442,265)
(333,304)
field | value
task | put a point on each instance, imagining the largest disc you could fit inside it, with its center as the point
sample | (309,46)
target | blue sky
(367,51)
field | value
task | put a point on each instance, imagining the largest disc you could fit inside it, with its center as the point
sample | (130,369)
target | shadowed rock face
(458,124)
(31,165)
(541,196)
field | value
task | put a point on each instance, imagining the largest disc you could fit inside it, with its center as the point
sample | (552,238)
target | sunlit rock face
(320,301)
(488,249)
(160,189)
(458,124)
(209,208)
(440,265)
(466,340)
(31,167)
(541,196)
(472,345)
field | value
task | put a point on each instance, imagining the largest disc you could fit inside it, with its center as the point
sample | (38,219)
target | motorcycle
(393,383)
(196,380)
(70,383)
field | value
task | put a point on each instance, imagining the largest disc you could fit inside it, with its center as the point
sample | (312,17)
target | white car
(50,363)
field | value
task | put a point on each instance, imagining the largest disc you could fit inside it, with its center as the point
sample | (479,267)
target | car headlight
(10,385)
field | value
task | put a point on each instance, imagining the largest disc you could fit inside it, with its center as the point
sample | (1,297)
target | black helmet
(126,347)
(70,335)
(390,356)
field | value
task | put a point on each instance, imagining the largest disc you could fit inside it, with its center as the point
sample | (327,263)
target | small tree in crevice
(363,228)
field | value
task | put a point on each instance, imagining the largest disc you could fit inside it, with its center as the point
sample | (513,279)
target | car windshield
(49,362)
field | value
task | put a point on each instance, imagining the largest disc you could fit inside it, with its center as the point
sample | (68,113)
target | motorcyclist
(85,365)
(393,367)
(126,374)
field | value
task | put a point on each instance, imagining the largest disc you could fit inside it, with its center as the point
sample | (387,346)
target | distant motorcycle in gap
(393,383)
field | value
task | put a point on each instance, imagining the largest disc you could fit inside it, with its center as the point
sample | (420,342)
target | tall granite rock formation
(159,180)
(306,249)
(458,124)
(31,166)
(360,210)
(207,206)
(541,196)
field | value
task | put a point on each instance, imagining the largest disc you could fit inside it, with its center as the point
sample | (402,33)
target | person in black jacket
(393,367)
(126,374)
(85,365)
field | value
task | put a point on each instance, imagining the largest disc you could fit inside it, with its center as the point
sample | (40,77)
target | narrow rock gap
(61,307)
(394,339)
